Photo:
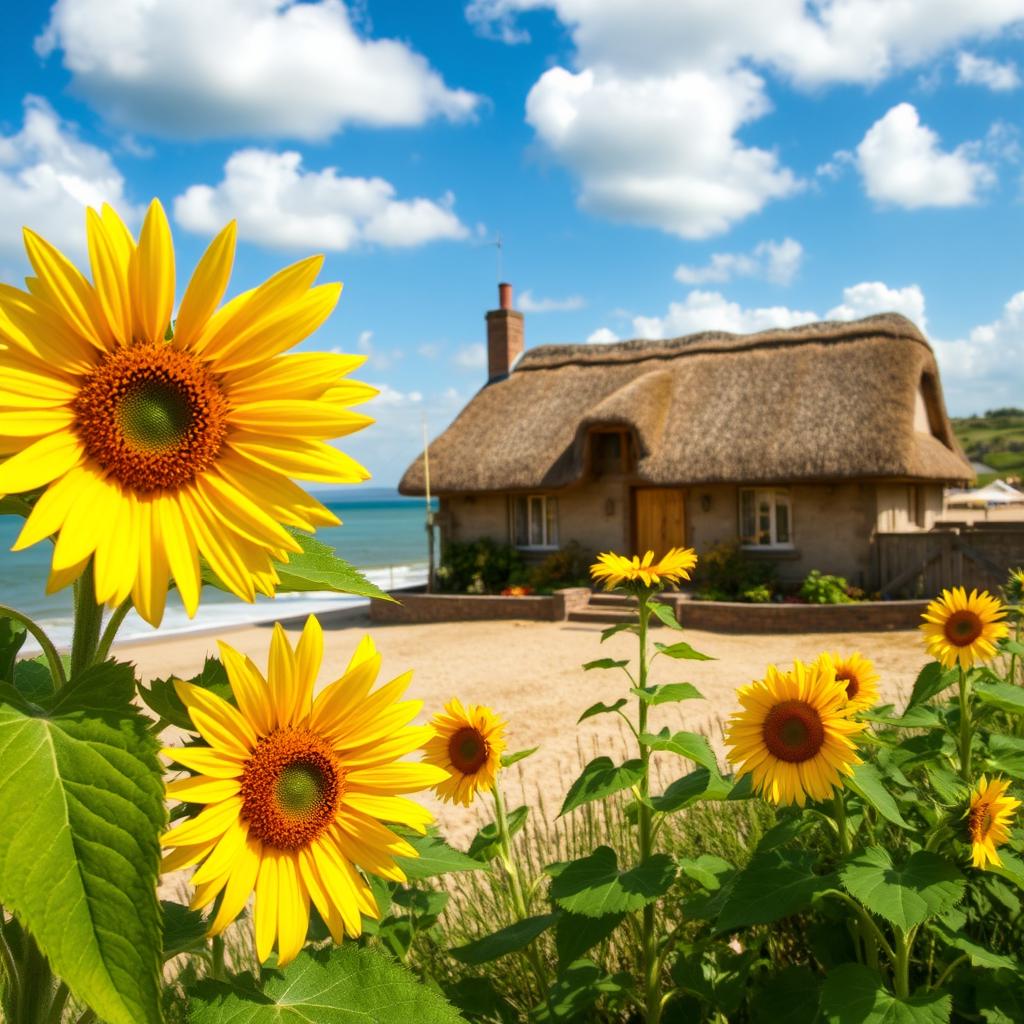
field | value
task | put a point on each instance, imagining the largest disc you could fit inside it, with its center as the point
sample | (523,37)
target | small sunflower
(1014,588)
(296,790)
(859,677)
(988,820)
(612,569)
(963,629)
(156,447)
(467,743)
(793,734)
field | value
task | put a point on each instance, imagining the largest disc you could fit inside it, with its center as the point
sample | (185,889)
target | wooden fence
(922,564)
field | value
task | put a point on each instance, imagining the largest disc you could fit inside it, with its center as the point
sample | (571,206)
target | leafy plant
(727,573)
(819,588)
(479,567)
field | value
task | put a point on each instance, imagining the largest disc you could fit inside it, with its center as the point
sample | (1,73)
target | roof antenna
(499,245)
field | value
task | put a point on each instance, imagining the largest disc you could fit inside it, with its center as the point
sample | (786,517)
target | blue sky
(654,167)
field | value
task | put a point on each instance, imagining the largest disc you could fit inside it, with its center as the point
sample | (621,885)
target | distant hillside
(996,439)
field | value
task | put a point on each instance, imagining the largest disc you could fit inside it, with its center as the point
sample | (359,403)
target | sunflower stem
(841,826)
(88,618)
(965,726)
(217,967)
(901,966)
(40,637)
(651,960)
(60,998)
(110,632)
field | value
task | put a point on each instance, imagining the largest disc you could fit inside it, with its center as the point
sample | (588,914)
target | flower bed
(741,617)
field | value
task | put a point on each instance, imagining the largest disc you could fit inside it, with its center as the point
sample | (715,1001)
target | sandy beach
(530,672)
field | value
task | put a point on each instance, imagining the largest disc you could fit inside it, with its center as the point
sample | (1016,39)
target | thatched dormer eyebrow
(824,401)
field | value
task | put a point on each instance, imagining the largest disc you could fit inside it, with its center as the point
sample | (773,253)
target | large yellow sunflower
(155,449)
(858,675)
(988,820)
(963,629)
(467,743)
(794,734)
(612,569)
(296,790)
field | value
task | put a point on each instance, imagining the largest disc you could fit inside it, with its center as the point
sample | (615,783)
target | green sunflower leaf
(184,929)
(507,760)
(793,996)
(931,680)
(854,994)
(515,936)
(699,785)
(602,709)
(486,843)
(924,886)
(1004,696)
(436,857)
(682,650)
(161,697)
(690,745)
(81,811)
(344,985)
(594,886)
(667,693)
(12,637)
(665,614)
(868,785)
(619,627)
(605,663)
(576,934)
(981,956)
(600,778)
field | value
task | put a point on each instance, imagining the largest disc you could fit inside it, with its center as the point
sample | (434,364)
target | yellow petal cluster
(467,744)
(857,674)
(296,791)
(612,570)
(988,820)
(156,447)
(963,629)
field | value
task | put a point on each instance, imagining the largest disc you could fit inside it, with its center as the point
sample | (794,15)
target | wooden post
(430,512)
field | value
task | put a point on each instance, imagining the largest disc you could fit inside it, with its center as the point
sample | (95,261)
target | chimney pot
(504,335)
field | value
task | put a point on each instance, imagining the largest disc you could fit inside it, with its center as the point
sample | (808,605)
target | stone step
(612,600)
(609,615)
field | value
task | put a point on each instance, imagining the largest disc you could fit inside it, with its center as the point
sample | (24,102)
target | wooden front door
(658,520)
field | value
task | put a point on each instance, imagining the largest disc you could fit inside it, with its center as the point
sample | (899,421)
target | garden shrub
(479,567)
(819,588)
(726,573)
(567,567)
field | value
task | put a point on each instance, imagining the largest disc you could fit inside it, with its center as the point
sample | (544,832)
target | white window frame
(776,496)
(548,543)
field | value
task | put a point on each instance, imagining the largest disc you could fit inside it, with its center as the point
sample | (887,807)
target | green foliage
(487,842)
(727,573)
(690,745)
(819,588)
(436,857)
(600,778)
(667,693)
(479,567)
(567,567)
(996,439)
(345,985)
(853,994)
(506,940)
(161,697)
(594,886)
(81,810)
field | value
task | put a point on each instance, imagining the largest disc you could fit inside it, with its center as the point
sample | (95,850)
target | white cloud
(871,297)
(242,68)
(711,311)
(429,350)
(472,357)
(660,151)
(901,163)
(602,336)
(48,175)
(528,304)
(280,205)
(974,70)
(986,369)
(775,261)
(375,358)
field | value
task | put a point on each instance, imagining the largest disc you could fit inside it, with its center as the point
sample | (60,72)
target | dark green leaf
(931,680)
(605,663)
(868,785)
(1006,755)
(699,785)
(81,811)
(33,681)
(479,998)
(577,989)
(515,936)
(344,985)
(690,745)
(619,627)
(601,709)
(160,695)
(486,844)
(854,994)
(926,885)
(436,857)
(706,870)
(949,788)
(718,976)
(600,778)
(510,759)
(594,886)
(682,650)
(793,996)
(664,614)
(576,934)
(920,716)
(770,887)
(1011,646)
(1012,868)
(423,903)
(184,929)
(784,832)
(981,956)
(667,693)
(12,637)
(1004,696)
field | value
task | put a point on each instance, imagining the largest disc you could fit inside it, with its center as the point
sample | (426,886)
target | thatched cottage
(801,444)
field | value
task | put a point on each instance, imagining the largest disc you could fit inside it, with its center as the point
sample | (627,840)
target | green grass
(996,439)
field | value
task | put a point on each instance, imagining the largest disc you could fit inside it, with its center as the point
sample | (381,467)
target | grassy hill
(996,439)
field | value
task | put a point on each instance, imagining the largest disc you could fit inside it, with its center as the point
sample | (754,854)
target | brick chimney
(504,335)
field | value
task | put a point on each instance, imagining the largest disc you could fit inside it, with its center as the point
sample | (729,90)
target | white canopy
(999,492)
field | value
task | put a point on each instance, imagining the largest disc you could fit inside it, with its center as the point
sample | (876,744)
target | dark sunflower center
(979,824)
(793,732)
(852,685)
(152,416)
(468,750)
(291,786)
(963,628)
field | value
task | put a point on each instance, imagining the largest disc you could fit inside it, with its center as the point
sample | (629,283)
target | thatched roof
(825,401)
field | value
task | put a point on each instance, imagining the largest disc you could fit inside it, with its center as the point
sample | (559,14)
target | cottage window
(609,452)
(766,519)
(535,521)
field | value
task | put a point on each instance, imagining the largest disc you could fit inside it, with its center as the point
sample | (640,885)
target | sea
(382,533)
